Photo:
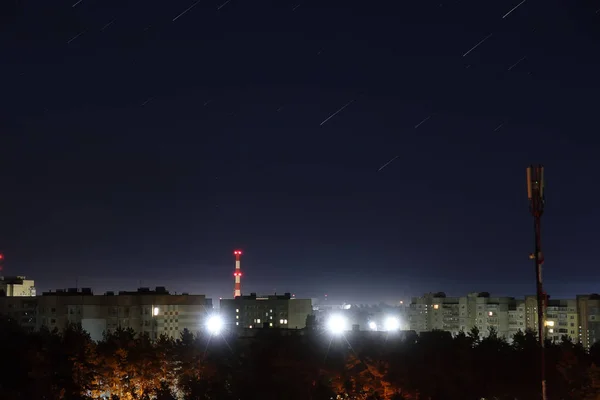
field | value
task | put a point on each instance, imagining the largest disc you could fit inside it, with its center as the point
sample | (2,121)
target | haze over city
(368,152)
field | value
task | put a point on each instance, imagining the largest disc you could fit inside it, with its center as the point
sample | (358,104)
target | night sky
(142,145)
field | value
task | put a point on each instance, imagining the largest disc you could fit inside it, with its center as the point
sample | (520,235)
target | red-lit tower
(237,289)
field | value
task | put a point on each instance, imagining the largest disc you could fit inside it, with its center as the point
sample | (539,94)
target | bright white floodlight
(214,324)
(372,325)
(392,324)
(337,324)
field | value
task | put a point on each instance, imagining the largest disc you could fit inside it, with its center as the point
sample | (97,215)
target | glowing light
(549,323)
(392,324)
(155,311)
(372,325)
(436,306)
(214,324)
(1,256)
(237,252)
(337,324)
(490,313)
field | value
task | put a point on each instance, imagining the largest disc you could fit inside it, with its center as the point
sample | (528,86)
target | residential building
(579,318)
(562,319)
(155,312)
(516,318)
(16,286)
(484,312)
(434,311)
(272,311)
(588,309)
(20,308)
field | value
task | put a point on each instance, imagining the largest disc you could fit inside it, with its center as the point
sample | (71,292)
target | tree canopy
(313,366)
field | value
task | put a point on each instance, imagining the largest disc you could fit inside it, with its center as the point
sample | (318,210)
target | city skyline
(364,152)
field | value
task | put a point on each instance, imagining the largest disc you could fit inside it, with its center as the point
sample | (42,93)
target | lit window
(237,310)
(285,321)
(281,321)
(270,311)
(490,313)
(549,323)
(155,311)
(258,321)
(271,324)
(250,327)
(436,306)
(271,317)
(237,317)
(551,330)
(237,323)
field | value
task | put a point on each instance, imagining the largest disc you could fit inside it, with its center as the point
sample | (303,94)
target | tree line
(313,366)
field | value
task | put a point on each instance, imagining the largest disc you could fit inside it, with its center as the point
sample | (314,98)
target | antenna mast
(535,194)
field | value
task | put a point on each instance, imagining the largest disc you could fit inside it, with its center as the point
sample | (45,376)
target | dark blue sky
(148,149)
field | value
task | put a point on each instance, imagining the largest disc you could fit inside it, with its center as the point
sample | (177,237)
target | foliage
(306,365)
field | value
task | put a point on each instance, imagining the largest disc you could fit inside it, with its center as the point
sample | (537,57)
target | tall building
(155,312)
(16,286)
(579,318)
(434,311)
(588,309)
(562,319)
(484,312)
(270,311)
(516,318)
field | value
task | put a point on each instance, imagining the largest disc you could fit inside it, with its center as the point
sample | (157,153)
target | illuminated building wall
(271,311)
(16,286)
(153,312)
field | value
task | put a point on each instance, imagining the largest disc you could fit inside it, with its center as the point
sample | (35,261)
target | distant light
(155,311)
(214,324)
(436,306)
(391,324)
(237,252)
(549,323)
(372,325)
(337,324)
(490,313)
(1,256)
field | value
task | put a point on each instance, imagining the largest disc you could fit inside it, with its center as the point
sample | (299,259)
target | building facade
(272,311)
(579,318)
(588,310)
(434,311)
(16,286)
(154,312)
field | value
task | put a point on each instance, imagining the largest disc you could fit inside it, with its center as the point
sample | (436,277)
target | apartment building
(155,312)
(561,319)
(578,318)
(16,286)
(588,310)
(434,311)
(20,308)
(272,311)
(516,318)
(484,312)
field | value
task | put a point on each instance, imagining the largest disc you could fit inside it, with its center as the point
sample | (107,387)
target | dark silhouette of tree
(299,365)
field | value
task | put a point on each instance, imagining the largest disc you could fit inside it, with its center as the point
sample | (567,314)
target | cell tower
(535,194)
(237,289)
